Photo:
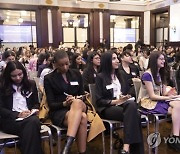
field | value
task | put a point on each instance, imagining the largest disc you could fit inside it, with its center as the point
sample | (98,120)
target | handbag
(44,109)
(147,103)
(96,123)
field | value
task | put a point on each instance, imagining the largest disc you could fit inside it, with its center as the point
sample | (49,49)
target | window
(162,24)
(75,29)
(123,30)
(17,26)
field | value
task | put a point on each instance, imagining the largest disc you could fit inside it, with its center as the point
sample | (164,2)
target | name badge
(133,73)
(109,87)
(74,83)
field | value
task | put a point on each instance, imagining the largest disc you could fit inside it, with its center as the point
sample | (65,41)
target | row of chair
(158,118)
(6,139)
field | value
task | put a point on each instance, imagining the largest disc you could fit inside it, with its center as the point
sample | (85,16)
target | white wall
(174,23)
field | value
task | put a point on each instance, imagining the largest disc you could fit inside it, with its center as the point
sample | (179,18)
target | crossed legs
(76,120)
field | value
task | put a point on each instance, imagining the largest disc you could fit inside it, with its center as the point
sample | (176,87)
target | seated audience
(43,62)
(46,71)
(168,74)
(177,68)
(86,45)
(18,99)
(61,45)
(154,97)
(26,56)
(128,72)
(170,54)
(6,57)
(114,104)
(77,62)
(135,64)
(90,72)
(144,59)
(33,63)
(62,86)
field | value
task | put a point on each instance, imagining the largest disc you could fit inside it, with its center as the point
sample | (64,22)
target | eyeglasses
(161,58)
(97,58)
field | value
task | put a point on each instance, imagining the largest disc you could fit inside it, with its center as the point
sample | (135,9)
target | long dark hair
(153,66)
(89,65)
(106,65)
(6,81)
(73,62)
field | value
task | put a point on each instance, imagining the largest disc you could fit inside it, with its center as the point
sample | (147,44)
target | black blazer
(6,102)
(55,86)
(89,76)
(133,74)
(104,96)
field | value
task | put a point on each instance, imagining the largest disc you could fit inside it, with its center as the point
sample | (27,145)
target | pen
(66,94)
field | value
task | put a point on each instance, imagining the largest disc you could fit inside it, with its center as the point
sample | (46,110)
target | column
(57,26)
(101,26)
(106,27)
(94,29)
(50,34)
(42,27)
(147,27)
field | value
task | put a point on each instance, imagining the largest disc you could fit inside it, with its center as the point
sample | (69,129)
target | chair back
(137,86)
(7,136)
(174,78)
(92,88)
(7,139)
(141,73)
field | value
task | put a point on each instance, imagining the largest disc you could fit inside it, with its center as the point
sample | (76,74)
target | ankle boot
(68,144)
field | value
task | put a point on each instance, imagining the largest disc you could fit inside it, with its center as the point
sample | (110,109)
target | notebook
(32,113)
